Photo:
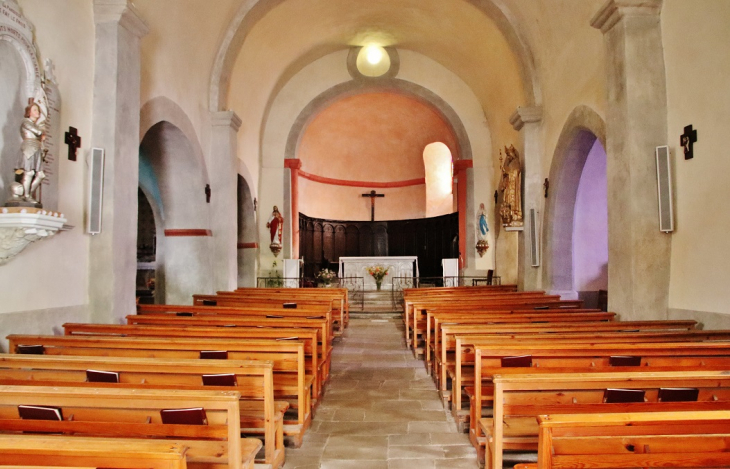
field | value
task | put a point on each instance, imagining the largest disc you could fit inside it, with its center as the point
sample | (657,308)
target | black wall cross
(687,140)
(372,195)
(73,141)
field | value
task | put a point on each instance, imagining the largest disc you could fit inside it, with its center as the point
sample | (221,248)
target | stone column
(115,114)
(466,242)
(294,165)
(527,120)
(223,175)
(638,253)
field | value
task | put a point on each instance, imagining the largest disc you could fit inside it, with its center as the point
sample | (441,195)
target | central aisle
(380,410)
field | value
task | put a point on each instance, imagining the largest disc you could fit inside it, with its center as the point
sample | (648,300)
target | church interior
(191,147)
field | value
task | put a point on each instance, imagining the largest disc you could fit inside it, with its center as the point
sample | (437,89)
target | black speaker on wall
(96,190)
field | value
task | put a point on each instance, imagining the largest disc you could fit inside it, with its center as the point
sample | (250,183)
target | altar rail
(400,283)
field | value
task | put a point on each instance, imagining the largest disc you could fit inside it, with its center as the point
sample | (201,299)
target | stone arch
(580,131)
(179,175)
(450,116)
(251,11)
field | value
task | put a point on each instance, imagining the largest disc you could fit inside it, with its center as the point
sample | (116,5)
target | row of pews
(529,375)
(227,382)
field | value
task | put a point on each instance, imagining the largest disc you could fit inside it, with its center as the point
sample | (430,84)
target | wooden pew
(243,311)
(414,294)
(314,305)
(136,413)
(628,440)
(308,336)
(417,322)
(71,451)
(260,415)
(291,382)
(338,296)
(519,399)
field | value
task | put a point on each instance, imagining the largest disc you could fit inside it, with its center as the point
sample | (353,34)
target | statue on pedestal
(275,224)
(511,187)
(29,171)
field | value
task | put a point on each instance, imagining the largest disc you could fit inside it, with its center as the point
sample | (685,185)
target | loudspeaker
(664,187)
(96,190)
(534,246)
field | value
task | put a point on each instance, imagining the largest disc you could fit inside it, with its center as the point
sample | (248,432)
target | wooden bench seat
(627,440)
(69,451)
(338,296)
(519,399)
(308,336)
(135,413)
(291,382)
(260,415)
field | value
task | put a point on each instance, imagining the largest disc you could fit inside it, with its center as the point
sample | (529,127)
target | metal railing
(399,283)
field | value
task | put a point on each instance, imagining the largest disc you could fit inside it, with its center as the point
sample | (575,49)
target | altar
(399,266)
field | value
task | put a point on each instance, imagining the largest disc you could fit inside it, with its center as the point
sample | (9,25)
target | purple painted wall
(590,225)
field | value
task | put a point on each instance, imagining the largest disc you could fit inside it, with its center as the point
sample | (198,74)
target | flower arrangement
(378,272)
(326,276)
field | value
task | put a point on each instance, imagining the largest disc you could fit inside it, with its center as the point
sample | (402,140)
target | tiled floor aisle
(381,410)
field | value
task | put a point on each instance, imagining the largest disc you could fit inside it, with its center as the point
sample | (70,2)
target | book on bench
(678,394)
(624,360)
(184,313)
(621,396)
(522,361)
(96,376)
(192,416)
(214,354)
(290,306)
(224,379)
(36,412)
(30,349)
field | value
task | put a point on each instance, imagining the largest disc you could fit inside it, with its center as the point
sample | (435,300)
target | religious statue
(29,171)
(511,187)
(482,230)
(276,227)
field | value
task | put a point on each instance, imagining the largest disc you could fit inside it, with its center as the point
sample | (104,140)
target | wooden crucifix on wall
(372,194)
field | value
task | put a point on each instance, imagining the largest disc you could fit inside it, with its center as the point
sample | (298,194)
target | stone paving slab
(381,410)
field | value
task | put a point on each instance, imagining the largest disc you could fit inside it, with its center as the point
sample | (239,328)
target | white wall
(697,56)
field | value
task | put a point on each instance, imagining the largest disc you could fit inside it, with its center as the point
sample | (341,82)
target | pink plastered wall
(371,137)
(590,225)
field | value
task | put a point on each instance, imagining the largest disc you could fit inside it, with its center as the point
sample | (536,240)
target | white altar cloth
(400,266)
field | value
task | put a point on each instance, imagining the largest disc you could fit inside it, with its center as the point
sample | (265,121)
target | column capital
(293,163)
(525,115)
(226,118)
(121,12)
(614,10)
(460,165)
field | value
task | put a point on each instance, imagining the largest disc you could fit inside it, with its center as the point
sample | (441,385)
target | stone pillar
(294,165)
(638,253)
(460,171)
(527,120)
(223,175)
(115,114)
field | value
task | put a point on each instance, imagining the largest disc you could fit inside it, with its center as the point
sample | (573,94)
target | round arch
(251,11)
(581,130)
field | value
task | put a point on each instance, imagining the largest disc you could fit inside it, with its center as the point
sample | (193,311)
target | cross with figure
(372,194)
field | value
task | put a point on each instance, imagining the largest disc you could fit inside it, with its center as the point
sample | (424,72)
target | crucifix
(687,139)
(372,196)
(73,141)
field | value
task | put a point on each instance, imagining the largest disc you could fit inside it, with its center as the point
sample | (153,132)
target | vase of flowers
(325,276)
(378,272)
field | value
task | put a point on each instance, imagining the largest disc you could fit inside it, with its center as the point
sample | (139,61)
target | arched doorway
(173,179)
(247,245)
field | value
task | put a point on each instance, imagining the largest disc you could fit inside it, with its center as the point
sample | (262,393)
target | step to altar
(377,302)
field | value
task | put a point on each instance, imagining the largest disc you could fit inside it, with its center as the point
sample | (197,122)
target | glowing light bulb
(374,55)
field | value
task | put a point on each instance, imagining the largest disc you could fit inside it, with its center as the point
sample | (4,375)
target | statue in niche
(482,230)
(29,171)
(511,187)
(275,224)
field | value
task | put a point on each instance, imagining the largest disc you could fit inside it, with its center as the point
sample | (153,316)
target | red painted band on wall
(248,245)
(188,232)
(375,185)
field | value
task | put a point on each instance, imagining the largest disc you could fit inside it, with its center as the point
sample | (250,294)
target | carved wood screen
(322,242)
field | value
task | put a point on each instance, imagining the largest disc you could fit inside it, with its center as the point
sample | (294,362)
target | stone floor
(381,410)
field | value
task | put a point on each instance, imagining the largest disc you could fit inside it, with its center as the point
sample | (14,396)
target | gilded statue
(511,187)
